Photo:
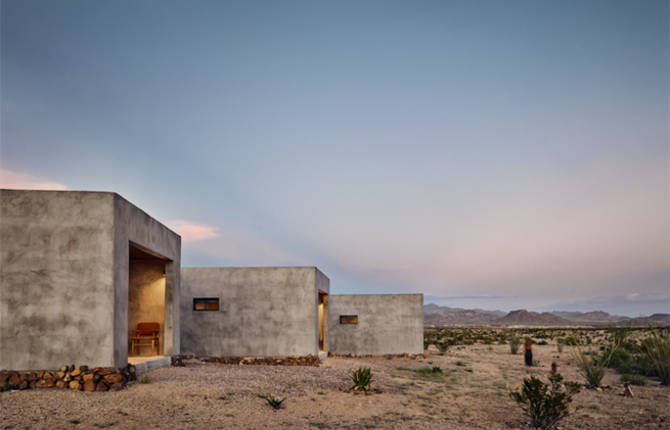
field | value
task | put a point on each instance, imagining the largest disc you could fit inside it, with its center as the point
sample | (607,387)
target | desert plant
(272,401)
(656,349)
(559,345)
(145,379)
(591,366)
(545,404)
(361,379)
(514,344)
(429,372)
(634,379)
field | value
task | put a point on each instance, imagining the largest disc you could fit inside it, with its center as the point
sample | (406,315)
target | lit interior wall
(323,321)
(146,298)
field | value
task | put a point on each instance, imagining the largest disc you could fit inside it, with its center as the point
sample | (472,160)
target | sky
(497,155)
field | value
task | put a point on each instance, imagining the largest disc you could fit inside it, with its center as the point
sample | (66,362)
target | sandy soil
(471,393)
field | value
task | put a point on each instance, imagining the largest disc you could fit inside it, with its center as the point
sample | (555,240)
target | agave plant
(274,402)
(361,378)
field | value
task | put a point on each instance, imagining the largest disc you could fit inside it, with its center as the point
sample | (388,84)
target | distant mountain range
(442,316)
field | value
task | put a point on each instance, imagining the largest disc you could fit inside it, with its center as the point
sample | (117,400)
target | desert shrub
(543,342)
(621,360)
(361,379)
(145,379)
(634,379)
(545,404)
(559,345)
(656,350)
(570,340)
(592,366)
(272,401)
(514,344)
(428,370)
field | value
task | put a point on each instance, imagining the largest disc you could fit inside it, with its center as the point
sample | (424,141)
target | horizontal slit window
(348,319)
(205,303)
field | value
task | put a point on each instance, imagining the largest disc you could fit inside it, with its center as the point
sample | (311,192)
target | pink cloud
(25,181)
(193,232)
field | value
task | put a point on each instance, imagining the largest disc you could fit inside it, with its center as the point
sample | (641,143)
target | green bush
(545,404)
(145,379)
(361,378)
(656,349)
(634,379)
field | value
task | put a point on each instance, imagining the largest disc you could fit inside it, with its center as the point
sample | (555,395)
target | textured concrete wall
(56,279)
(134,225)
(64,262)
(264,311)
(146,298)
(387,324)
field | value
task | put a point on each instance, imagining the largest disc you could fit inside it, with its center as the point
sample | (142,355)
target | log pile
(307,360)
(69,377)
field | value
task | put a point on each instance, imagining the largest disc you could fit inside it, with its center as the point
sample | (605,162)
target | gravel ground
(471,392)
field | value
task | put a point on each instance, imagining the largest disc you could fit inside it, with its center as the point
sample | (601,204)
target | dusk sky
(499,155)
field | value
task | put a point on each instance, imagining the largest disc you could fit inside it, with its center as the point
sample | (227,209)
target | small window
(205,303)
(348,319)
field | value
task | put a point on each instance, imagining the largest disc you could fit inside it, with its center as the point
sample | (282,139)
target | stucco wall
(56,279)
(134,225)
(264,311)
(387,324)
(64,261)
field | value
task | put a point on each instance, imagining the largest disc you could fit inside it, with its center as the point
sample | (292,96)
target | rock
(89,385)
(114,378)
(116,387)
(45,383)
(88,377)
(74,385)
(14,378)
(75,373)
(101,386)
(61,384)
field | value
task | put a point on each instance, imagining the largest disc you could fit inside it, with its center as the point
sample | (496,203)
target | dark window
(348,319)
(205,304)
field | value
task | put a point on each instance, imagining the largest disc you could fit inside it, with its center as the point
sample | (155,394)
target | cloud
(25,181)
(193,232)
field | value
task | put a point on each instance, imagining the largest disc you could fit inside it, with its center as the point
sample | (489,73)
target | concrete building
(376,324)
(78,270)
(254,311)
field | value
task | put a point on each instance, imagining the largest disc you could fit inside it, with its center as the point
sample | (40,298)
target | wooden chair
(147,334)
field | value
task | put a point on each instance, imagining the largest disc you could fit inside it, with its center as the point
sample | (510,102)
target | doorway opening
(146,304)
(323,321)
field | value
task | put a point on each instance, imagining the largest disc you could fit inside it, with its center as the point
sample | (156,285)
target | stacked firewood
(69,377)
(307,360)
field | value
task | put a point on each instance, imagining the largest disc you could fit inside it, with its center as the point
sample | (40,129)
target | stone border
(307,360)
(69,377)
